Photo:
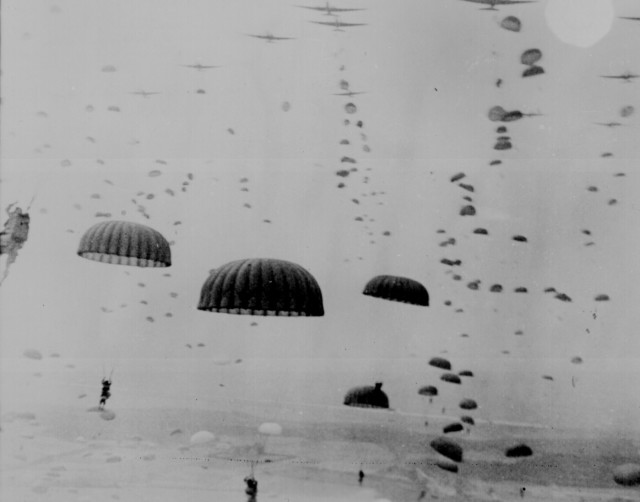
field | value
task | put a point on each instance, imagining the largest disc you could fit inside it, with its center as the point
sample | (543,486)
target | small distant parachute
(531,56)
(32,354)
(465,373)
(448,448)
(451,378)
(270,429)
(440,362)
(602,298)
(286,106)
(495,162)
(466,419)
(496,288)
(519,238)
(627,474)
(125,243)
(481,231)
(453,427)
(521,450)
(474,285)
(202,437)
(576,360)
(468,404)
(428,390)
(547,377)
(447,466)
(497,113)
(466,187)
(155,173)
(108,68)
(113,108)
(503,144)
(512,116)
(627,111)
(261,286)
(501,130)
(342,172)
(511,23)
(457,177)
(532,71)
(563,297)
(520,290)
(367,397)
(468,211)
(398,289)
(350,108)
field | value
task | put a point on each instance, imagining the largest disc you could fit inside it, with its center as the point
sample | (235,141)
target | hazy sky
(428,70)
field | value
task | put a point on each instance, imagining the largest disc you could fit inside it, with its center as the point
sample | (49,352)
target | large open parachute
(262,286)
(367,397)
(511,23)
(397,289)
(125,243)
(440,362)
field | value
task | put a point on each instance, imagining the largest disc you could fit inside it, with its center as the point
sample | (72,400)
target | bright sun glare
(580,22)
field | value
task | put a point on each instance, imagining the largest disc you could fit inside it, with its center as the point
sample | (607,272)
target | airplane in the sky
(630,18)
(271,38)
(493,3)
(144,94)
(609,124)
(348,93)
(623,76)
(329,9)
(337,24)
(199,66)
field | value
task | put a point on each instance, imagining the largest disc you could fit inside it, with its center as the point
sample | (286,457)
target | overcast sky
(75,137)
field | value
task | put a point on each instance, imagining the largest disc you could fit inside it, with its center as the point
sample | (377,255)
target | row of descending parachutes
(258,286)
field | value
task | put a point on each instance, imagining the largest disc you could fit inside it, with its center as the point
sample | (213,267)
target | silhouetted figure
(106,392)
(360,476)
(252,488)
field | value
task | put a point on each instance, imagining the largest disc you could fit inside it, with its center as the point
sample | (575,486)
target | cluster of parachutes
(257,286)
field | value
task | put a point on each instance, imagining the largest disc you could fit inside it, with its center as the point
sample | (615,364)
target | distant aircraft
(328,9)
(144,94)
(270,38)
(199,66)
(630,18)
(337,24)
(492,3)
(623,76)
(348,93)
(609,124)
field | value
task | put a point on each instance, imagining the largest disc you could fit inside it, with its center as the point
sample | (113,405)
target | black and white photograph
(299,250)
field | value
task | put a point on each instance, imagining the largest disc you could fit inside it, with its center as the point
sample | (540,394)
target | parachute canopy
(125,243)
(466,419)
(468,211)
(531,56)
(445,465)
(496,288)
(440,362)
(502,144)
(367,397)
(452,427)
(511,23)
(448,448)
(468,404)
(261,286)
(481,231)
(428,390)
(202,437)
(465,373)
(627,474)
(532,71)
(270,429)
(521,450)
(627,111)
(450,377)
(398,289)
